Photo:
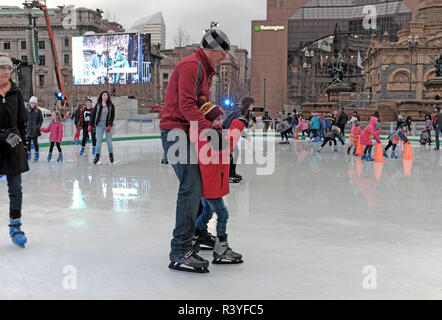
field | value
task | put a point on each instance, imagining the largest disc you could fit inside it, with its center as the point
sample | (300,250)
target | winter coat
(35,120)
(370,131)
(322,123)
(334,134)
(315,124)
(438,120)
(395,136)
(96,115)
(232,116)
(329,122)
(427,125)
(77,115)
(13,161)
(355,133)
(191,79)
(84,124)
(56,131)
(342,119)
(215,176)
(302,125)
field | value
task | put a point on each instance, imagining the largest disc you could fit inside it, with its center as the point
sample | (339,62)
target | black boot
(97,158)
(348,150)
(111,157)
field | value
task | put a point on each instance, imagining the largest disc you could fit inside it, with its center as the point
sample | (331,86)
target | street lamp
(307,66)
(412,46)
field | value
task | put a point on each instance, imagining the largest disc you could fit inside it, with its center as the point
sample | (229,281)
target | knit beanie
(211,111)
(33,99)
(215,39)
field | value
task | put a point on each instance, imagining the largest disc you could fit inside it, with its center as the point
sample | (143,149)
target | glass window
(41,80)
(23,45)
(66,59)
(66,42)
(42,60)
(7,45)
(42,44)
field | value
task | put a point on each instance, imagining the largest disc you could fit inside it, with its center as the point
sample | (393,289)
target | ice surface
(306,231)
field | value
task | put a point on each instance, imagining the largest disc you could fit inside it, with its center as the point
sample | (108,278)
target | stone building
(230,81)
(153,24)
(396,72)
(281,73)
(15,40)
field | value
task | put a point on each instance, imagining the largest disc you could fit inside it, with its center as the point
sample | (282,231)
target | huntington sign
(269,28)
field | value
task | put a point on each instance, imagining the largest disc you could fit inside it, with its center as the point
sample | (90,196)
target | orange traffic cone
(378,170)
(378,155)
(358,166)
(408,164)
(359,148)
(408,152)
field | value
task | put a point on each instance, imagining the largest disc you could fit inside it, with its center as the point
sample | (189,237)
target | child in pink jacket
(366,136)
(55,130)
(354,136)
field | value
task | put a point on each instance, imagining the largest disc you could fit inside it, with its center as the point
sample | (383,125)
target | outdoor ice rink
(307,231)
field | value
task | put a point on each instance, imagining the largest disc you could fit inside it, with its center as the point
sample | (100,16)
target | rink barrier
(155,137)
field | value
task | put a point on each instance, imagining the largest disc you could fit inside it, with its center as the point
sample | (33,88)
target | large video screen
(111,58)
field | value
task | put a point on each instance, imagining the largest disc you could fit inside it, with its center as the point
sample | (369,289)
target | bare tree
(182,37)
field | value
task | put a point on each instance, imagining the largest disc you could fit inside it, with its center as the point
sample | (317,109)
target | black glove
(217,140)
(13,140)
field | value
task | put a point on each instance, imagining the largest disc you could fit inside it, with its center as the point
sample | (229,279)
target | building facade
(399,70)
(281,72)
(15,40)
(155,25)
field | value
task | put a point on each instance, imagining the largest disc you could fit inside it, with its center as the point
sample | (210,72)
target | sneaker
(164,161)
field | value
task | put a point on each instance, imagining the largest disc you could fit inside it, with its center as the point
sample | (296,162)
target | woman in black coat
(13,145)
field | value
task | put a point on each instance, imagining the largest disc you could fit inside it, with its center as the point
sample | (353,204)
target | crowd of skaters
(96,120)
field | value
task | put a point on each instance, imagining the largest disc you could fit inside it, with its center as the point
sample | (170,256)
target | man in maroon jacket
(190,81)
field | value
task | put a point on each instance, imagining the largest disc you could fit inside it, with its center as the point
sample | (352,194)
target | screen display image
(111,58)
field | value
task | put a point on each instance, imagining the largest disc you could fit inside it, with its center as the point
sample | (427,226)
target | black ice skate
(190,262)
(222,254)
(203,240)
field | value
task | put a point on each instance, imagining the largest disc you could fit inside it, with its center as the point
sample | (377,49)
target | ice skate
(49,156)
(393,155)
(335,150)
(190,262)
(81,151)
(234,180)
(29,156)
(18,237)
(363,157)
(204,240)
(111,157)
(222,254)
(369,158)
(36,156)
(94,150)
(385,155)
(164,161)
(60,157)
(97,158)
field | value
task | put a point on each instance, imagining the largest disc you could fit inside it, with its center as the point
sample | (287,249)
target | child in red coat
(55,130)
(215,167)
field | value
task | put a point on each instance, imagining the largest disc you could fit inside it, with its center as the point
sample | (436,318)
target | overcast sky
(234,16)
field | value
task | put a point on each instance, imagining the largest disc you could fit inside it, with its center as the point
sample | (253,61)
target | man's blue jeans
(437,133)
(189,192)
(209,207)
